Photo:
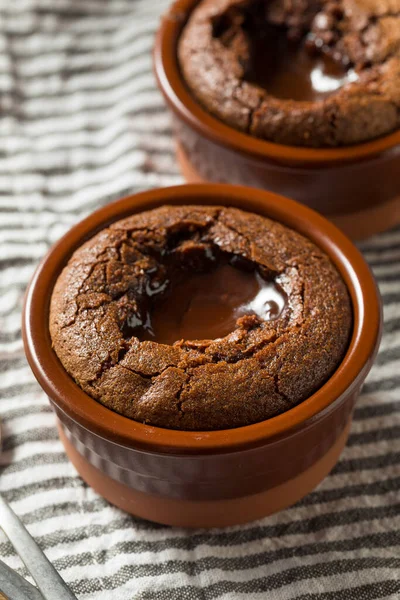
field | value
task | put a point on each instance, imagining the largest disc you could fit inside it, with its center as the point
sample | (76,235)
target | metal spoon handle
(47,579)
(16,587)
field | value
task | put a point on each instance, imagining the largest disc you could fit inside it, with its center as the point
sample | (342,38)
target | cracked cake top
(298,72)
(104,301)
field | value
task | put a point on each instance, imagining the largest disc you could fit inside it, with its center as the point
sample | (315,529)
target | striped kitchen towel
(82,123)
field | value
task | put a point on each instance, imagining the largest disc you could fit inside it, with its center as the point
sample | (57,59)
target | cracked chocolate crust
(215,53)
(259,370)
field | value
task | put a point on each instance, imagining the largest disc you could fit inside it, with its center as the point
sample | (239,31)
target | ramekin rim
(182,102)
(95,417)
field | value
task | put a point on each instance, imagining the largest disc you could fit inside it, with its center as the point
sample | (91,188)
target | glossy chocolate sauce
(291,71)
(207,306)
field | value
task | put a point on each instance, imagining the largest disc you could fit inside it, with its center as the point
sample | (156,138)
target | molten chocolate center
(207,305)
(290,71)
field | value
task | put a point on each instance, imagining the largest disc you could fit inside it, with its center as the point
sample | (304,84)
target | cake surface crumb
(216,53)
(105,295)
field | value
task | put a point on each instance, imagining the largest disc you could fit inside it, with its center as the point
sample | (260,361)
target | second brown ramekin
(213,478)
(357,187)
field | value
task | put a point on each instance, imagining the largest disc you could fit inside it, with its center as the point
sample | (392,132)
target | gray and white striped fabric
(81,123)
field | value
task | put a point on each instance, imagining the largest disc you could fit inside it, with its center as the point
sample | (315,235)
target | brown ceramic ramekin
(214,478)
(357,187)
